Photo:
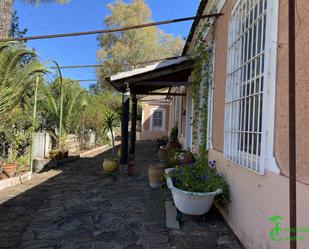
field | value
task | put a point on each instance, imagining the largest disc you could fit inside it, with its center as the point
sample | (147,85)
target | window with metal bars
(245,84)
(157,119)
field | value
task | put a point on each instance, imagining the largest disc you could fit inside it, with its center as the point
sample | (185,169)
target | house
(247,131)
(155,117)
(238,109)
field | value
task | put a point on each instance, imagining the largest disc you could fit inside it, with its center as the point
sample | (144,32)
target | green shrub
(174,134)
(171,160)
(58,154)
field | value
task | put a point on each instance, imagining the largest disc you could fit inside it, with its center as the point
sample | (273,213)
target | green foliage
(201,178)
(171,160)
(74,102)
(110,121)
(18,67)
(23,161)
(202,57)
(132,46)
(96,108)
(174,134)
(15,30)
(22,164)
(58,154)
(18,70)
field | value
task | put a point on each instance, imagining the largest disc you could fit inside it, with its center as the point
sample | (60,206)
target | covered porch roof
(170,73)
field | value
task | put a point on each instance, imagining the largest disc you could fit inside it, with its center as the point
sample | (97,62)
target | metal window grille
(245,84)
(157,120)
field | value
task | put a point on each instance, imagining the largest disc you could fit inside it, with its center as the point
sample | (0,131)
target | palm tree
(18,67)
(6,13)
(109,122)
(74,102)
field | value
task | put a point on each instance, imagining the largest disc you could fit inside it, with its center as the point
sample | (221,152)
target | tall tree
(132,46)
(5,17)
(6,13)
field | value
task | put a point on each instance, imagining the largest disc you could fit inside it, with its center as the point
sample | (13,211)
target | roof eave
(194,26)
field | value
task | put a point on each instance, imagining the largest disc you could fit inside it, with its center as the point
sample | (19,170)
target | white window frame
(154,128)
(266,159)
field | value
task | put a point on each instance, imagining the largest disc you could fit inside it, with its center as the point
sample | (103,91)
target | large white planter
(190,203)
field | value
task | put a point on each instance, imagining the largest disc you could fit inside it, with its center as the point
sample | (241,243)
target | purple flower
(212,164)
(204,177)
(219,174)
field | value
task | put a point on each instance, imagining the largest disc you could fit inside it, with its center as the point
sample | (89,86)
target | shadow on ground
(82,207)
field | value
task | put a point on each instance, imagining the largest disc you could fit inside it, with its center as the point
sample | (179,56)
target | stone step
(171,214)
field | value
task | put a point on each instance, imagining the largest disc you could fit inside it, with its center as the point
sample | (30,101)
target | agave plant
(109,123)
(18,67)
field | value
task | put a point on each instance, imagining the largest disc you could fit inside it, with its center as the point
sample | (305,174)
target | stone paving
(80,207)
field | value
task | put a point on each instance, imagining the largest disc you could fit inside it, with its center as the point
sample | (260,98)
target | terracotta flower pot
(163,152)
(155,174)
(173,145)
(9,169)
(110,165)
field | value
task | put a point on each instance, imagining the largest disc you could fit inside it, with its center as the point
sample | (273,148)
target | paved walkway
(80,207)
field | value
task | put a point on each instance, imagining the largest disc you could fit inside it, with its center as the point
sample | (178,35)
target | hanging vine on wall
(201,75)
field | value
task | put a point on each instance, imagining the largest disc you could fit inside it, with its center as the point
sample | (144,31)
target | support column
(124,129)
(133,125)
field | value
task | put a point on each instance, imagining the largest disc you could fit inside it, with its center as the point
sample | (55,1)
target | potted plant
(171,160)
(195,186)
(162,151)
(110,121)
(173,139)
(162,142)
(15,141)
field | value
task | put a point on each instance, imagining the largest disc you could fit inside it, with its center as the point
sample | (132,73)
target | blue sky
(83,15)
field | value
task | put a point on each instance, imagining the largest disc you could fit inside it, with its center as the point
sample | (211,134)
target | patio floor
(81,207)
